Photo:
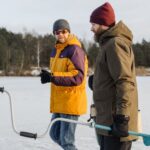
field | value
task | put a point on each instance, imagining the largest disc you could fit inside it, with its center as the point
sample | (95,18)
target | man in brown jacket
(114,82)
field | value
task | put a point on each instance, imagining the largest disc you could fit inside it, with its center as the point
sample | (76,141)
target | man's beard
(98,35)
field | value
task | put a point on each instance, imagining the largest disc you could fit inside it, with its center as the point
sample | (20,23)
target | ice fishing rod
(146,137)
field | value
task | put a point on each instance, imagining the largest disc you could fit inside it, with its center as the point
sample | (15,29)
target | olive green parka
(114,86)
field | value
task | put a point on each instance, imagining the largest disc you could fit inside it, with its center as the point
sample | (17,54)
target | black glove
(120,126)
(45,76)
(90,82)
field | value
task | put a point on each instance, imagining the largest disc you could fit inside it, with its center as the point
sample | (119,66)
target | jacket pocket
(104,112)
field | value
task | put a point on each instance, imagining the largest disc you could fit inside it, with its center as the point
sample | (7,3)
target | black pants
(113,143)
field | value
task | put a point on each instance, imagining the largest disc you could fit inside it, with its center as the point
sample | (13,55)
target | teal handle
(146,137)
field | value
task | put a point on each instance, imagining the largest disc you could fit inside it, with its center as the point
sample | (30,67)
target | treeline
(21,52)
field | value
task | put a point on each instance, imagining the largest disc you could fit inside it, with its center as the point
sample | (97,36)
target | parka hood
(119,30)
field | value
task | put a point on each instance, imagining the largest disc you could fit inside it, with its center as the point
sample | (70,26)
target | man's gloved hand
(45,76)
(90,82)
(120,126)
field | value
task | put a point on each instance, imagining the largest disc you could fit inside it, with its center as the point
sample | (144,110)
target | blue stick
(146,137)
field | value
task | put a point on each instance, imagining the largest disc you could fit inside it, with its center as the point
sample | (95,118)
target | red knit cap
(103,15)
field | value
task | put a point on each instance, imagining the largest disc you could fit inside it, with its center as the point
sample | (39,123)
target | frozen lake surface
(31,110)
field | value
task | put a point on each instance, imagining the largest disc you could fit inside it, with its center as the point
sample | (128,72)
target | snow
(31,113)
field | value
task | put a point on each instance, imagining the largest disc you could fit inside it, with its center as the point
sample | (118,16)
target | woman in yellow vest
(68,65)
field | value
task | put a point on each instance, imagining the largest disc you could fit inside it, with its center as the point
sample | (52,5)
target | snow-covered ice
(31,111)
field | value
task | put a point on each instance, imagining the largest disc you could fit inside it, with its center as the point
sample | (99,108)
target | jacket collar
(72,40)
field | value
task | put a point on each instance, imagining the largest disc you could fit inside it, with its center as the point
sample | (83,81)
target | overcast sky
(39,15)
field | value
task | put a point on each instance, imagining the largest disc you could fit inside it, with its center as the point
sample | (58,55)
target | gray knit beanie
(61,24)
